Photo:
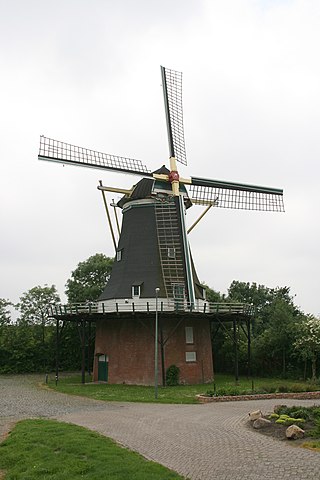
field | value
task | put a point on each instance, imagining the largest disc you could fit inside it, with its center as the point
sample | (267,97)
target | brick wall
(129,344)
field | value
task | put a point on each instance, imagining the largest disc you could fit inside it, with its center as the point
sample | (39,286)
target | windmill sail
(61,152)
(172,92)
(236,195)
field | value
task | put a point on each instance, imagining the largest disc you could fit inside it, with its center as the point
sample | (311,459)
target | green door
(103,368)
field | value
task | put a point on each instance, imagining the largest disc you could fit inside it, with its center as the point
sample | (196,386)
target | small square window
(119,255)
(191,356)
(171,252)
(136,290)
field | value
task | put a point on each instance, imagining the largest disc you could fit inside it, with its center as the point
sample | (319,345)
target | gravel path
(209,441)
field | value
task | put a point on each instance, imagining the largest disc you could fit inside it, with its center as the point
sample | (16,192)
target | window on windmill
(202,292)
(191,356)
(171,252)
(119,255)
(136,290)
(189,335)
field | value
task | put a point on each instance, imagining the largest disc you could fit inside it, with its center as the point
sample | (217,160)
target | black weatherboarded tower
(153,251)
(153,267)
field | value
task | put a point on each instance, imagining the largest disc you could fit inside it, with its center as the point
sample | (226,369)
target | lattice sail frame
(172,89)
(237,199)
(62,152)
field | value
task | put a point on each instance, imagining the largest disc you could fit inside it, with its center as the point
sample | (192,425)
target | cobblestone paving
(199,441)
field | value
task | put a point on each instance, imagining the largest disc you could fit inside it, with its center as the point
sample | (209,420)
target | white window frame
(191,357)
(119,255)
(138,287)
(189,335)
(171,252)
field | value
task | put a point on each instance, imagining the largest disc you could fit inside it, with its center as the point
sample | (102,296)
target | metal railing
(91,308)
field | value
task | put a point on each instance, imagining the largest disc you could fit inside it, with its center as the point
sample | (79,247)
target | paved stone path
(209,441)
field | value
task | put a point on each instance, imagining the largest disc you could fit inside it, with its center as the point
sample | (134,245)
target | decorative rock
(255,415)
(294,432)
(261,423)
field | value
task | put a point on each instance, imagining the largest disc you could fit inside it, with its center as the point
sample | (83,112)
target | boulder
(261,423)
(294,432)
(255,415)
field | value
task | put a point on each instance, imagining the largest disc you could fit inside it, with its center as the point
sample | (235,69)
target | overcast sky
(88,73)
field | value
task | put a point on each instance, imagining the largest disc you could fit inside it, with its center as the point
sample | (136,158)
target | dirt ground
(278,432)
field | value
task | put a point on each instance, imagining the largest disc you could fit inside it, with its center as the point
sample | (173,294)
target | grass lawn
(46,449)
(224,385)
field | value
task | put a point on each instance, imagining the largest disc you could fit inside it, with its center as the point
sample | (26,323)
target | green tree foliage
(274,327)
(273,345)
(5,320)
(212,295)
(307,343)
(32,341)
(33,304)
(89,279)
(5,314)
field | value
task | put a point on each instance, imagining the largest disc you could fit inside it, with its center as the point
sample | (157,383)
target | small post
(235,344)
(57,350)
(156,349)
(249,347)
(83,352)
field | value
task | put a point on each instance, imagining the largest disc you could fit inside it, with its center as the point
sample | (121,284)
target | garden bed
(203,398)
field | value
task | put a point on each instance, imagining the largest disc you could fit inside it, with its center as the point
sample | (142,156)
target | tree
(33,307)
(33,304)
(33,333)
(5,315)
(253,294)
(212,295)
(89,279)
(275,342)
(307,344)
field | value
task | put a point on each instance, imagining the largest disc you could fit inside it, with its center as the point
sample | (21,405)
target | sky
(88,73)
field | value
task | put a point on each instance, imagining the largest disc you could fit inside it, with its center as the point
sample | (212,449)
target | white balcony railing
(164,305)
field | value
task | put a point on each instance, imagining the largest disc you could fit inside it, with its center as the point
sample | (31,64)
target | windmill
(153,252)
(168,194)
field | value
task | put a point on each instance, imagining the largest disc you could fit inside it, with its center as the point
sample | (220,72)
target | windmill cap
(162,170)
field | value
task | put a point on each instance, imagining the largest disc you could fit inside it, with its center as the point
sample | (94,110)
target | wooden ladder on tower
(171,251)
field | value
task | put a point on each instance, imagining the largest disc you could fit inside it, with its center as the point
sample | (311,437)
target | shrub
(172,376)
(233,391)
(315,432)
(283,388)
(210,393)
(267,389)
(298,387)
(280,409)
(273,415)
(221,392)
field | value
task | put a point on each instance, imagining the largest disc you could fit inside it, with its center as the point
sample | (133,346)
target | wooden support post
(108,216)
